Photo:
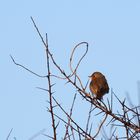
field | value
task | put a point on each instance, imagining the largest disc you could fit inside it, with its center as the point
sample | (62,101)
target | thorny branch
(102,107)
(125,118)
(83,131)
(50,91)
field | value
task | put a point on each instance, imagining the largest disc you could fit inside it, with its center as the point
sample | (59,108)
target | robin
(98,85)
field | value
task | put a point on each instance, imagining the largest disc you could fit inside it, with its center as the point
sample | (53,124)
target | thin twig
(89,116)
(100,126)
(26,68)
(37,134)
(71,58)
(9,134)
(67,127)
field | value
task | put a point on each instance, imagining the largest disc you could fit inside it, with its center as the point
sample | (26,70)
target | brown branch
(84,132)
(71,58)
(86,95)
(50,91)
(26,68)
(131,128)
(77,130)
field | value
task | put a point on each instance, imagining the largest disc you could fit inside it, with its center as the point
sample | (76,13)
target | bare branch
(89,116)
(101,126)
(84,132)
(122,118)
(71,58)
(50,90)
(37,134)
(9,134)
(67,127)
(26,68)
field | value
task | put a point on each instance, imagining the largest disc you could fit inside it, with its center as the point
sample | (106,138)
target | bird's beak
(89,76)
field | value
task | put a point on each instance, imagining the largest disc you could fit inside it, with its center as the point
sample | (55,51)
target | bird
(98,85)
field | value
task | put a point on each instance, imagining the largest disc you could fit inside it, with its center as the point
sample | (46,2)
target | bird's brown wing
(103,86)
(93,87)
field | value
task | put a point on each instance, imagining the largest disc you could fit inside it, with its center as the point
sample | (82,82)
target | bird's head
(96,75)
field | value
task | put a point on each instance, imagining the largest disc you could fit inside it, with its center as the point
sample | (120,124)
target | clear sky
(112,29)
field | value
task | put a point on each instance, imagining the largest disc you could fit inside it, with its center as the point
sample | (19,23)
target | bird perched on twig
(98,85)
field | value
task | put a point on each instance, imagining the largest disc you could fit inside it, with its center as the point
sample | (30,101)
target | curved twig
(71,58)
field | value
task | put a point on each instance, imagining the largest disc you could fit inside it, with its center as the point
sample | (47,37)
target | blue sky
(112,29)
